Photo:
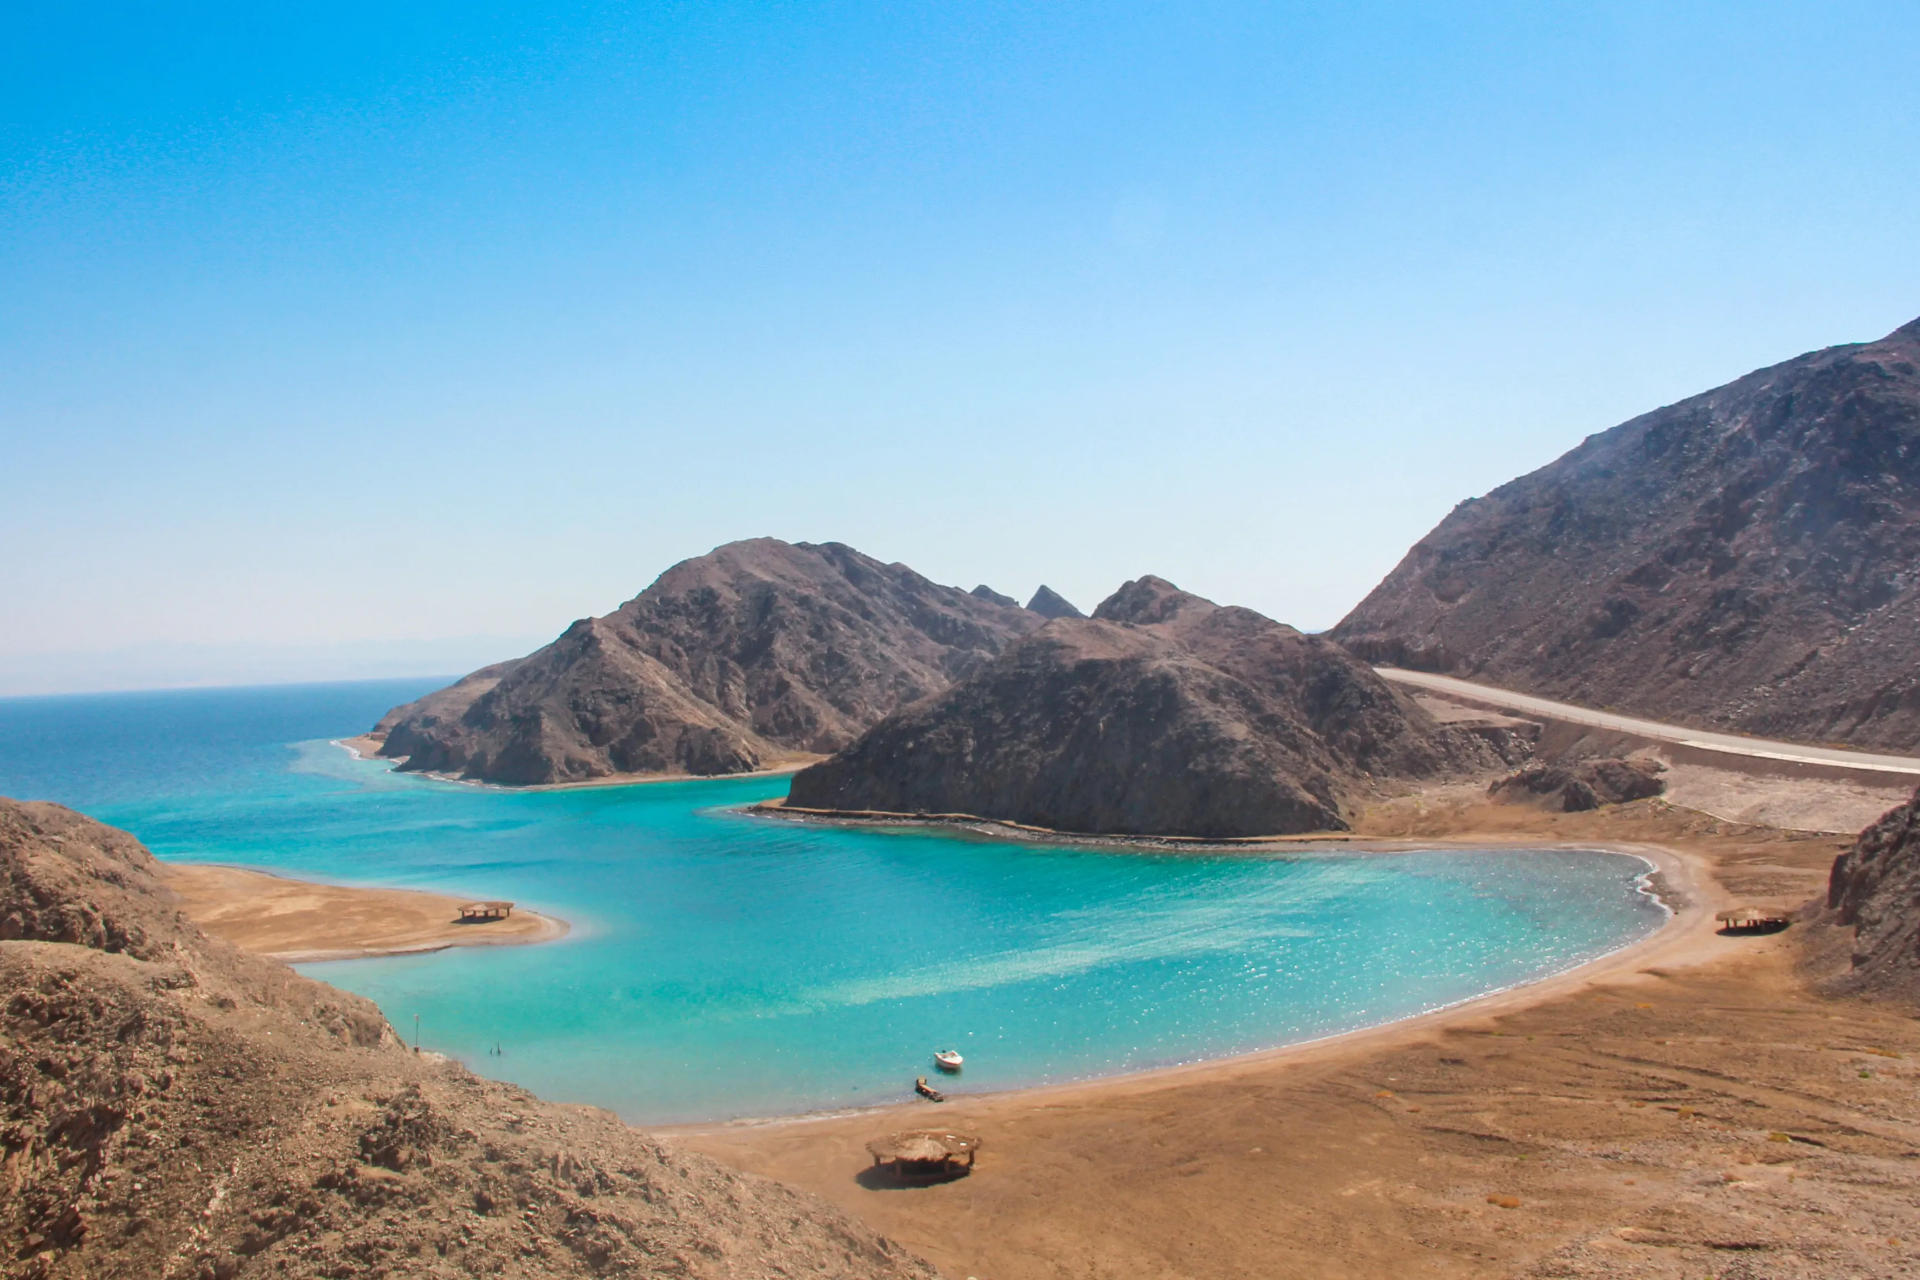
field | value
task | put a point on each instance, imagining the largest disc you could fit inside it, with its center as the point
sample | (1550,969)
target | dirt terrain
(1708,1111)
(173,1108)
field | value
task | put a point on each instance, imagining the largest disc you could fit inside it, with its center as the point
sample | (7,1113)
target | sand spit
(296,921)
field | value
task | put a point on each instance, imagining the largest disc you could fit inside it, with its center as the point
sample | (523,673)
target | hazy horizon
(344,326)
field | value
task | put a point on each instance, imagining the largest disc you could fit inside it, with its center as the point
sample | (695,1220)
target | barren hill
(1163,714)
(1744,559)
(728,662)
(173,1107)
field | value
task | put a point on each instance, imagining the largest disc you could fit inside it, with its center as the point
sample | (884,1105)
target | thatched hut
(925,1155)
(1752,920)
(481,912)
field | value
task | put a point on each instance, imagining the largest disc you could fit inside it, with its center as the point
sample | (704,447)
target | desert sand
(298,921)
(1694,1107)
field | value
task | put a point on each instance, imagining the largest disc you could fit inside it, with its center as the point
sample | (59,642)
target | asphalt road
(1731,743)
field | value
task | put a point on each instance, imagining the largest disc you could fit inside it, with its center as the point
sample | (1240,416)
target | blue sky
(324,324)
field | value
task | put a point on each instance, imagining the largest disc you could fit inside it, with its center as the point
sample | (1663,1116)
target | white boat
(948,1059)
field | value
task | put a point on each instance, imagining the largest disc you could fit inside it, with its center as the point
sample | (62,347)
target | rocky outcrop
(1049,603)
(986,592)
(727,663)
(1164,714)
(1875,888)
(171,1106)
(1575,788)
(1744,559)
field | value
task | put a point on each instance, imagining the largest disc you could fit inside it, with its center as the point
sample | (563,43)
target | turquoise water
(724,965)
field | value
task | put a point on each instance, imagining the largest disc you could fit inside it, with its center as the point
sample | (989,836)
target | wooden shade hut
(480,912)
(1752,920)
(925,1155)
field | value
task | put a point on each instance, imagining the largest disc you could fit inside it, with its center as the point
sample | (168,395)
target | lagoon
(726,965)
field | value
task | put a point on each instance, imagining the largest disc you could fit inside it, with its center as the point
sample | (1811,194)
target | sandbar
(299,921)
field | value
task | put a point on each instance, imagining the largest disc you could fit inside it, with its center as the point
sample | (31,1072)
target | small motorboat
(948,1060)
(927,1091)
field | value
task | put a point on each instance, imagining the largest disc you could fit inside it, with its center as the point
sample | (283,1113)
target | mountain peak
(1147,600)
(1049,603)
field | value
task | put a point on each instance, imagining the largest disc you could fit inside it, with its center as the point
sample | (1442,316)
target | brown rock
(1875,887)
(1743,559)
(1575,788)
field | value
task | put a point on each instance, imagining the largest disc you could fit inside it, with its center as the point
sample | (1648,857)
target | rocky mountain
(1875,888)
(1049,603)
(1746,559)
(1163,714)
(727,663)
(171,1106)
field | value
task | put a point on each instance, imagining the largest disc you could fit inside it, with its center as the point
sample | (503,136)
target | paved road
(1732,744)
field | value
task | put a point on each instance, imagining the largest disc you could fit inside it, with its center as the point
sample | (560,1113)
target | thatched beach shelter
(1752,920)
(477,912)
(925,1154)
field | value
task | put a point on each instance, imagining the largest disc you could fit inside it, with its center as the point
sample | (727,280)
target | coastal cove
(725,965)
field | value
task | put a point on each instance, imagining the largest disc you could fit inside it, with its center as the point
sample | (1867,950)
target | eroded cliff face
(727,663)
(1743,559)
(1875,887)
(173,1107)
(1163,714)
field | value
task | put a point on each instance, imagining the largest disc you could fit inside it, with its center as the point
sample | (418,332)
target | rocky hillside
(1875,887)
(727,663)
(173,1107)
(1744,559)
(1163,714)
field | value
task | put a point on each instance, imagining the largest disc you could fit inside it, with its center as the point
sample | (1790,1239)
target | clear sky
(330,323)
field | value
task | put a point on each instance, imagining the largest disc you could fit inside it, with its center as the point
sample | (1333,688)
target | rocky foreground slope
(727,663)
(173,1107)
(1875,887)
(1163,714)
(1744,559)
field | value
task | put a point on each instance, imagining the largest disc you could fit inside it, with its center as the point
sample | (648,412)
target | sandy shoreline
(300,921)
(367,747)
(1690,919)
(1682,1101)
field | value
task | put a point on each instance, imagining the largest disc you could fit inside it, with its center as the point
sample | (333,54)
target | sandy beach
(1689,1106)
(367,747)
(1692,1105)
(298,921)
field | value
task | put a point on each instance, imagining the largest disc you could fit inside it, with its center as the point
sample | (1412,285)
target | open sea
(723,965)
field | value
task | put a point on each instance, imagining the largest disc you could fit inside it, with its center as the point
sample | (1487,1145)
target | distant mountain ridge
(1748,558)
(1163,714)
(729,662)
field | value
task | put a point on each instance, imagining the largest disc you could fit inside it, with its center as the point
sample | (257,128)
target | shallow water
(724,965)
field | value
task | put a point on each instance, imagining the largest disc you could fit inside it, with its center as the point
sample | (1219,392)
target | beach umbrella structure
(925,1155)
